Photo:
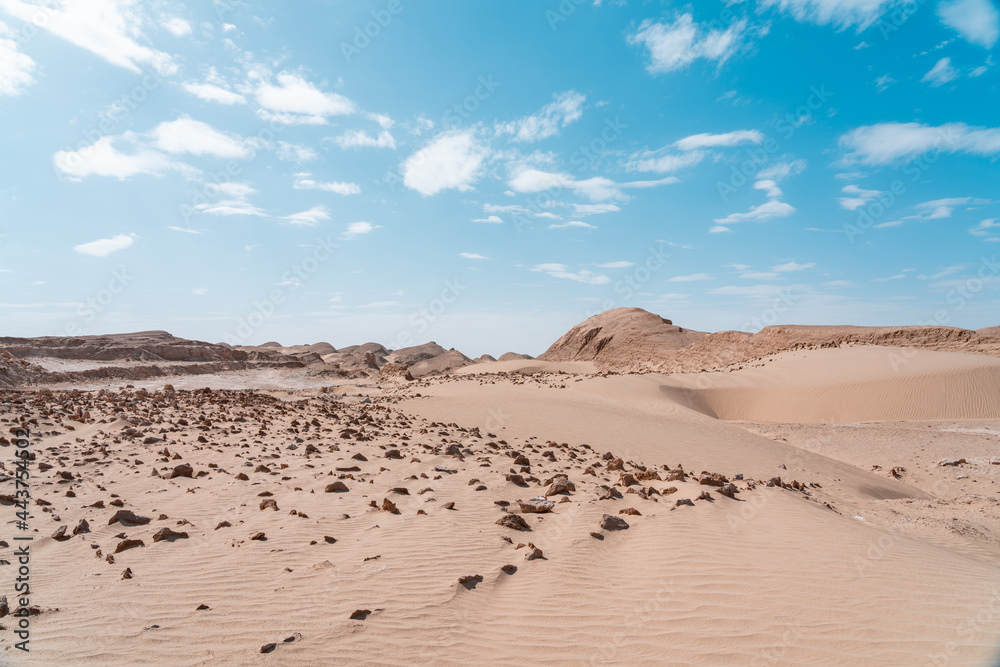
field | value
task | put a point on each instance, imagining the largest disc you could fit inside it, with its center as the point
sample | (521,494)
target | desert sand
(800,496)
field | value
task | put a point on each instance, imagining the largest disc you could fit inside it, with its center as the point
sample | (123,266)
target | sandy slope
(855,567)
(849,385)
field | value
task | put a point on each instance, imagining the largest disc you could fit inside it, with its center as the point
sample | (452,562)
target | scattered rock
(168,534)
(129,518)
(514,521)
(612,522)
(128,544)
(537,505)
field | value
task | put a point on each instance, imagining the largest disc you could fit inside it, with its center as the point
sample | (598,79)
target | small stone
(631,511)
(82,527)
(329,540)
(127,574)
(128,544)
(360,614)
(728,490)
(336,487)
(612,522)
(183,470)
(127,517)
(596,535)
(269,503)
(537,505)
(684,501)
(951,462)
(509,569)
(533,554)
(470,580)
(168,534)
(514,521)
(259,536)
(267,648)
(389,506)
(60,534)
(202,607)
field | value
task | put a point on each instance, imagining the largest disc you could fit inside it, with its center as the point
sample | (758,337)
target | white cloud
(595,189)
(360,229)
(102,159)
(884,82)
(898,276)
(759,275)
(104,247)
(718,229)
(572,223)
(706,140)
(472,255)
(839,13)
(186,135)
(295,152)
(213,93)
(184,230)
(941,73)
(595,209)
(229,207)
(792,266)
(888,142)
(566,108)
(673,47)
(978,21)
(772,209)
(663,163)
(769,187)
(986,228)
(492,220)
(562,271)
(361,139)
(691,278)
(303,181)
(177,26)
(782,170)
(108,28)
(937,209)
(199,291)
(309,218)
(857,198)
(294,100)
(15,67)
(453,160)
(616,265)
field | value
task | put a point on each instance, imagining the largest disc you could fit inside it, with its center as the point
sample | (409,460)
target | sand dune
(848,385)
(826,505)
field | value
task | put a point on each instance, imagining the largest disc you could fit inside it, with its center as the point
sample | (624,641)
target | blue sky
(487,174)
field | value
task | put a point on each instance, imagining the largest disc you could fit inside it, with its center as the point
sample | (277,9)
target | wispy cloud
(104,247)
